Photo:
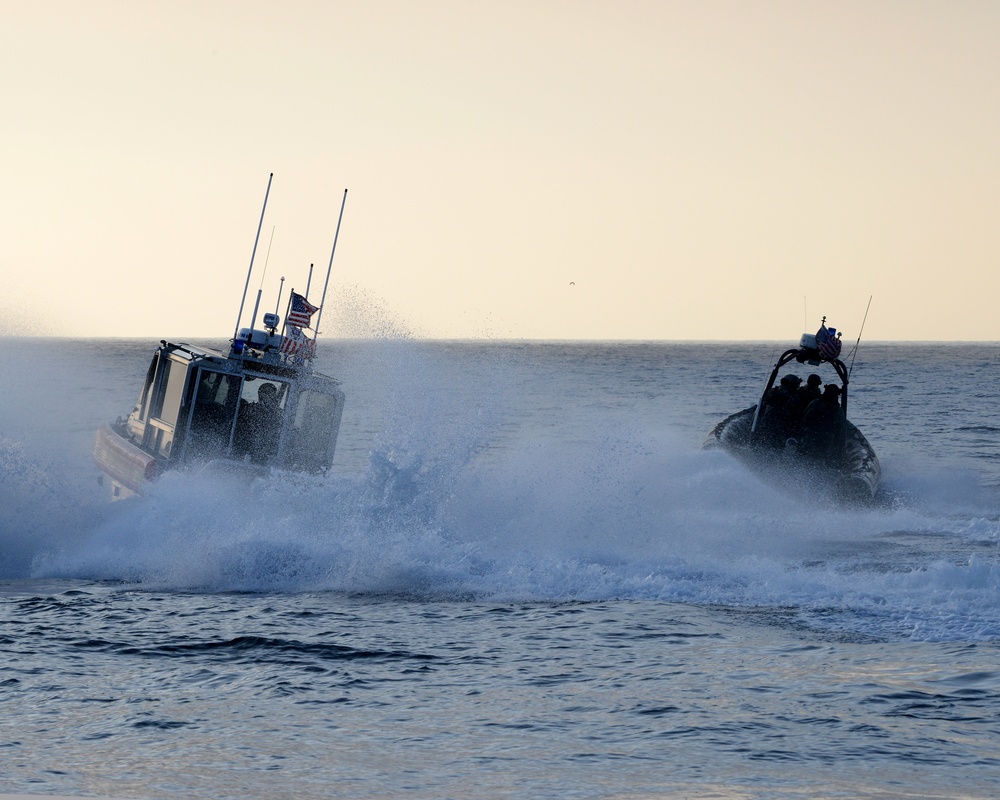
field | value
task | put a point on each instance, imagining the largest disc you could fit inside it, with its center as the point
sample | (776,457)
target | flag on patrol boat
(827,343)
(300,311)
(295,342)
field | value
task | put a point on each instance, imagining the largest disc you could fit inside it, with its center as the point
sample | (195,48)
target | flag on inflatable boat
(296,343)
(827,343)
(300,311)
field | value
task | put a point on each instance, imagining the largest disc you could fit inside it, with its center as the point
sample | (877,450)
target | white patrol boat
(256,408)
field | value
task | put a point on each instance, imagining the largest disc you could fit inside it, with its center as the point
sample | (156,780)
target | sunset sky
(519,169)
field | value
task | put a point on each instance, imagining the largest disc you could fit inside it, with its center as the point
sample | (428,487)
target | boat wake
(458,479)
(634,516)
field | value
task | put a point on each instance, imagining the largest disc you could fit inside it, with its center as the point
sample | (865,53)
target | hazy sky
(525,168)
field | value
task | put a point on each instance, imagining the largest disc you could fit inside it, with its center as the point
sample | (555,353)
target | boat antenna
(854,352)
(260,289)
(310,280)
(333,250)
(267,258)
(252,256)
(256,308)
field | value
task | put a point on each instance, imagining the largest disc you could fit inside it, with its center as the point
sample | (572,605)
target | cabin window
(159,388)
(169,390)
(258,425)
(310,444)
(174,392)
(147,388)
(214,409)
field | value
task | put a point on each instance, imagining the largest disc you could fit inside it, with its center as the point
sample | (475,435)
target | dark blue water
(524,578)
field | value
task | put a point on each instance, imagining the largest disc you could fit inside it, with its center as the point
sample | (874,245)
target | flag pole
(288,308)
(281,289)
(329,267)
(253,255)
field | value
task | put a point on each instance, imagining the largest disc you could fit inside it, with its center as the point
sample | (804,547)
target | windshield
(313,431)
(258,425)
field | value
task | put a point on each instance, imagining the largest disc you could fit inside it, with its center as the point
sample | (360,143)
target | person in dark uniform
(822,434)
(811,391)
(781,412)
(259,425)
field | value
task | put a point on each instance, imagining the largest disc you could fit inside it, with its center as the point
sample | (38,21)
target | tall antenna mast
(329,267)
(260,290)
(854,352)
(253,255)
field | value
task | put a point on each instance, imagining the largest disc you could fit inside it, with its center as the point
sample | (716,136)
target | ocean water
(523,578)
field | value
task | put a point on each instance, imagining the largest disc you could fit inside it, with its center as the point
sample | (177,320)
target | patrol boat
(256,408)
(777,438)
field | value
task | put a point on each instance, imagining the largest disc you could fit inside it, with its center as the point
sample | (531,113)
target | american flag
(295,342)
(829,346)
(300,311)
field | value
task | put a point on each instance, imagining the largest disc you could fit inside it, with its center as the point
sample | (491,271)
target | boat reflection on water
(799,435)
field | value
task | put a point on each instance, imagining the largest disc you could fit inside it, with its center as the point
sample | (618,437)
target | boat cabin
(249,408)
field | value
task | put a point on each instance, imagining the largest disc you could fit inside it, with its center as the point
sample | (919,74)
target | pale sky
(625,169)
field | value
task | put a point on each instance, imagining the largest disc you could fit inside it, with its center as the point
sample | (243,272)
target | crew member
(780,420)
(823,424)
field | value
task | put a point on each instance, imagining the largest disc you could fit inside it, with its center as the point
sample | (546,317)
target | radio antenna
(267,258)
(246,286)
(329,267)
(854,352)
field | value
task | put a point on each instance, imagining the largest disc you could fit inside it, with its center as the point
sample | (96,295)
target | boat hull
(853,477)
(130,468)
